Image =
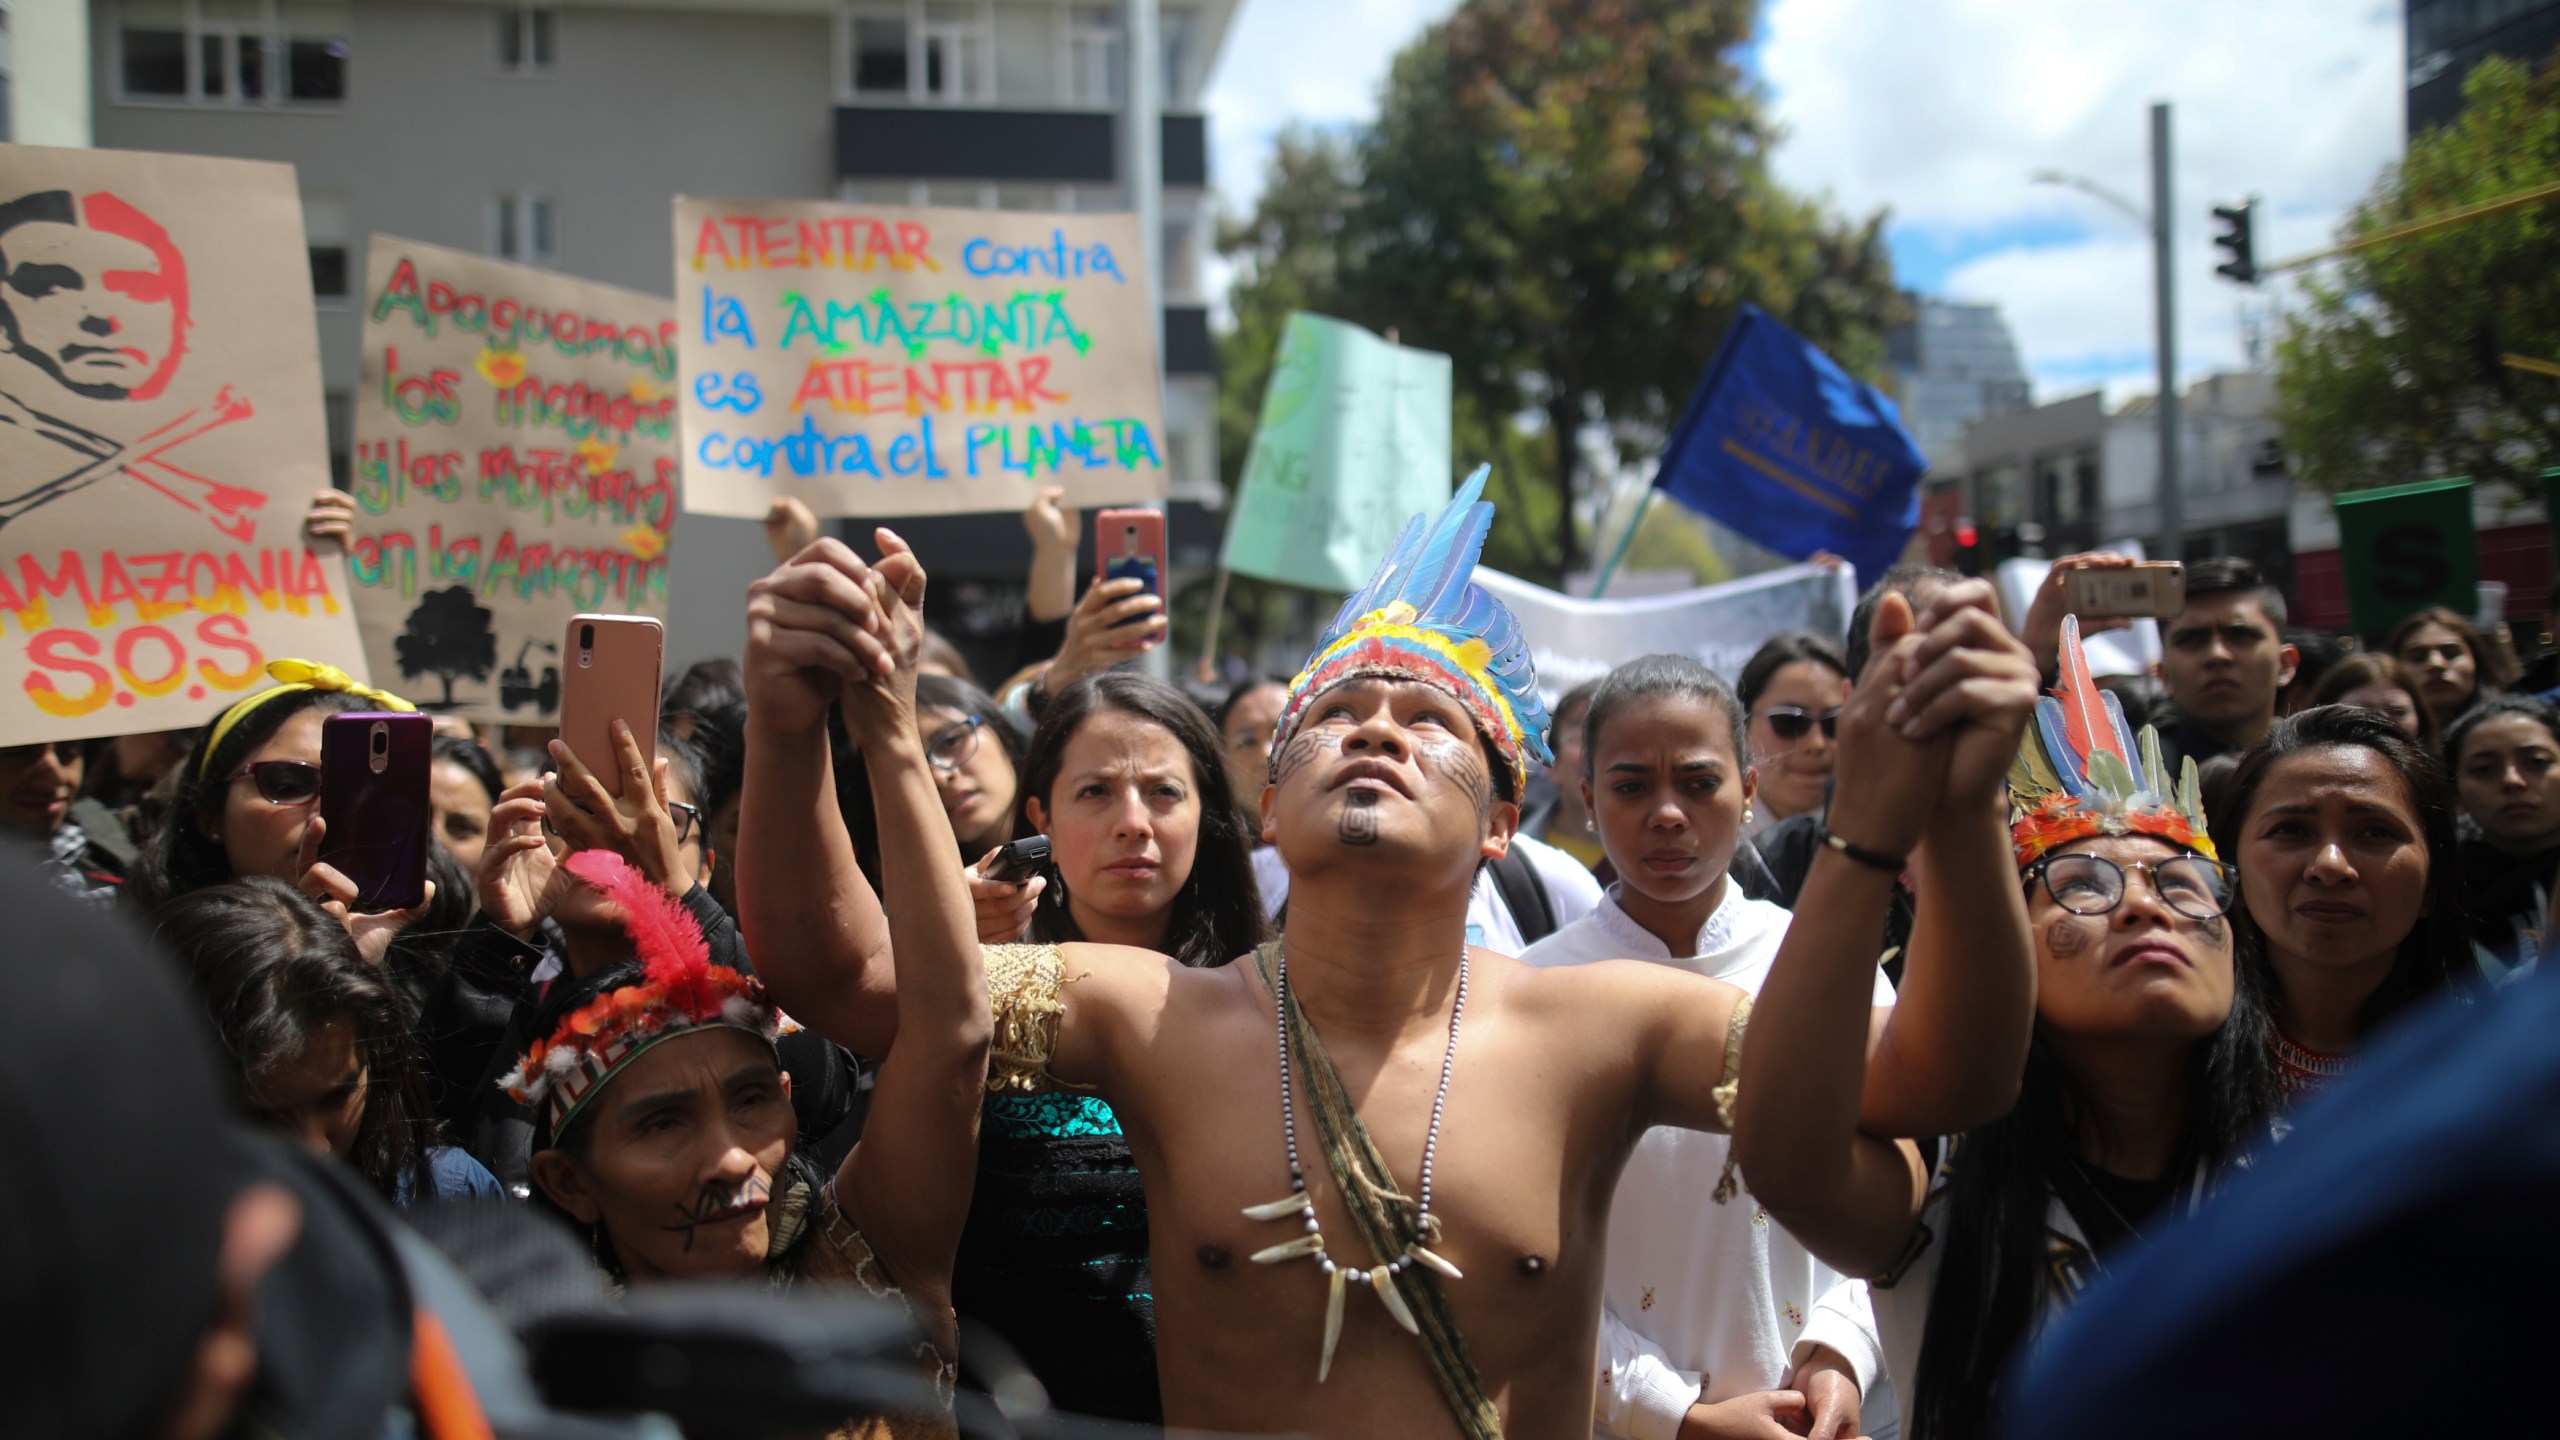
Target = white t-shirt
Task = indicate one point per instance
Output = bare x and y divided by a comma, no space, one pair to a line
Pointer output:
1708,1300
1571,892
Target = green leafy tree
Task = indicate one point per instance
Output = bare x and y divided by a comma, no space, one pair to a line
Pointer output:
2389,371
1572,199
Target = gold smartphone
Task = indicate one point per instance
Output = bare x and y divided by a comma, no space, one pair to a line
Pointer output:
613,664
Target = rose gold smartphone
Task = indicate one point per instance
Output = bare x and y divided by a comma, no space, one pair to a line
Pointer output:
613,664
2156,588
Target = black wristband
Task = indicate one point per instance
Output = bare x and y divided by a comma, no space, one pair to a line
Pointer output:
1872,859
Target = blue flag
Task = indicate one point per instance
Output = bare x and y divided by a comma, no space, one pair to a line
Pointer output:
1783,446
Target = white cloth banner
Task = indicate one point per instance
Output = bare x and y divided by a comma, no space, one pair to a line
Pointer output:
1577,640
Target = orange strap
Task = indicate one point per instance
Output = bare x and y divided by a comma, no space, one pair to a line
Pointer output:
448,1408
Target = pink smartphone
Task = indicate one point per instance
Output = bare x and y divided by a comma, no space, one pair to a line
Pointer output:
373,796
1129,544
613,664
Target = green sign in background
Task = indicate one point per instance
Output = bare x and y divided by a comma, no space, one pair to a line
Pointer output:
1353,441
2406,547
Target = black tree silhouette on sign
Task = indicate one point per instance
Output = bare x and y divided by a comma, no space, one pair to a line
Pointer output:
450,636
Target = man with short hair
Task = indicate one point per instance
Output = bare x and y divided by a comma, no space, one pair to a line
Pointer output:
1378,1161
2223,659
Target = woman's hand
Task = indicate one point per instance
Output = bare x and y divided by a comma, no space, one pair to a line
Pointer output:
332,518
1884,783
1053,528
635,824
519,879
1830,1390
1004,907
1970,678
789,527
880,703
1096,637
372,930
2043,627
812,625
1761,1415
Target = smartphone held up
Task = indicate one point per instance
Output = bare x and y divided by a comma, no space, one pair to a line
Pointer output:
2153,589
1129,545
373,805
614,663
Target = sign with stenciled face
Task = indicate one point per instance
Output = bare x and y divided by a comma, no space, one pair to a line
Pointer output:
515,465
884,361
161,432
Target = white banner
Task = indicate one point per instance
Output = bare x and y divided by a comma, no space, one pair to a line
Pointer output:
1577,640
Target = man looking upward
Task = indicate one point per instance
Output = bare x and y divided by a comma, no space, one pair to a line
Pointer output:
1379,1162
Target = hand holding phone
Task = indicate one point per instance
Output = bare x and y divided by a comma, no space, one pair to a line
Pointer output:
2154,588
1129,545
613,664
1017,862
373,806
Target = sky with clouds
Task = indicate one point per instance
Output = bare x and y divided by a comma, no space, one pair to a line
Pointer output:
1940,110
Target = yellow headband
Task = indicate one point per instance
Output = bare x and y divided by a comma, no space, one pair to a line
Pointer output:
294,675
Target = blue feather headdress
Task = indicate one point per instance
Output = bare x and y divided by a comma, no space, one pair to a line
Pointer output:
1422,617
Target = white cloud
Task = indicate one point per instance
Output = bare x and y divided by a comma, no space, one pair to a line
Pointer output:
1941,112
1303,62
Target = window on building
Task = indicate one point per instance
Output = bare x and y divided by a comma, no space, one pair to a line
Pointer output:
1093,55
1038,198
528,39
327,232
520,228
959,44
880,53
1026,53
233,52
1177,36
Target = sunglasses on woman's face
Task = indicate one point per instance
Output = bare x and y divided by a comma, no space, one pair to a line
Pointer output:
1794,722
282,782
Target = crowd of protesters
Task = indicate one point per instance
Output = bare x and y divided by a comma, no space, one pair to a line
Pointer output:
764,1005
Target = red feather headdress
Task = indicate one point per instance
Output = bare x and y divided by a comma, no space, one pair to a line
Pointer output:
681,991
2081,773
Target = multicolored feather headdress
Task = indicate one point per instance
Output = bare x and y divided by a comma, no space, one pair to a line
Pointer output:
2077,775
1422,618
681,991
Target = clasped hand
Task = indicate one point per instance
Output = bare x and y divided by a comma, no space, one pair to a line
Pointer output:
1934,721
828,626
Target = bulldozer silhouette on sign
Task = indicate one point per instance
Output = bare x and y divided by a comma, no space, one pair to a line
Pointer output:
516,685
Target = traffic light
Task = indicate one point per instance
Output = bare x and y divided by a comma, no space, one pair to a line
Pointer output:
2238,239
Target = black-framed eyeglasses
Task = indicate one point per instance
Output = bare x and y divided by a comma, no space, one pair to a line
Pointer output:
2083,884
952,746
687,817
1794,722
282,782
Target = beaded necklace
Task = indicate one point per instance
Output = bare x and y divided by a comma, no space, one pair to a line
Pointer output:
1379,1279
2300,1069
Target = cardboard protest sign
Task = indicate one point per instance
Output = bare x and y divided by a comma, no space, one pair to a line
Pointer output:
515,464
883,361
2406,547
1573,640
160,435
1354,439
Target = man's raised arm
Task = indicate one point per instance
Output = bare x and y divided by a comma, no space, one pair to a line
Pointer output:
819,938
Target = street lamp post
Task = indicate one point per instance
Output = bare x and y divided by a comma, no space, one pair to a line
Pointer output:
2164,296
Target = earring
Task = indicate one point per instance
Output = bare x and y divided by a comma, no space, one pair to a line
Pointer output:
1746,812
1588,827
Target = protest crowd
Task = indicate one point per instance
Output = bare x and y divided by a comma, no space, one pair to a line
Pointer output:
1898,1017
1852,1019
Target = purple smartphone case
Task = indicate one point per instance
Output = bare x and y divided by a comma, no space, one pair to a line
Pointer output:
375,803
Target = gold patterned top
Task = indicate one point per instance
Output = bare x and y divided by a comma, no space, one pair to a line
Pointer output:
1023,984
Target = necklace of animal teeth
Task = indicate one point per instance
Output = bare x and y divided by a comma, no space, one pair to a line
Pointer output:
1380,1279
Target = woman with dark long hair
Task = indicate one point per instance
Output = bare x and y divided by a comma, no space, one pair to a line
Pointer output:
976,749
2505,754
2146,1074
2451,661
1148,847
2350,903
318,1039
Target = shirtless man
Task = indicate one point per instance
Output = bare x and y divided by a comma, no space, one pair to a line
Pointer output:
1387,794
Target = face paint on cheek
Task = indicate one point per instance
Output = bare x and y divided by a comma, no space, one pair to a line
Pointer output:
1463,765
1360,818
1301,751
2215,930
2065,938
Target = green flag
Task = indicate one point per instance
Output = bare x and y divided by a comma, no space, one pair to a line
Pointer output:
2406,547
1354,441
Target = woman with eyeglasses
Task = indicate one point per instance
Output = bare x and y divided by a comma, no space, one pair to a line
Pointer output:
1245,721
2350,902
248,801
1792,691
975,747
2146,1075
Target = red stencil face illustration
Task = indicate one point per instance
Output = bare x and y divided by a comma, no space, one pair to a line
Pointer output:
98,301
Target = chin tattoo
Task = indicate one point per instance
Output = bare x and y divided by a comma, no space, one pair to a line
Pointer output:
1360,818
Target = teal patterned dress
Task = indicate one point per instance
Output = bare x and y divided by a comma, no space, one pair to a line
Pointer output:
1054,1256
